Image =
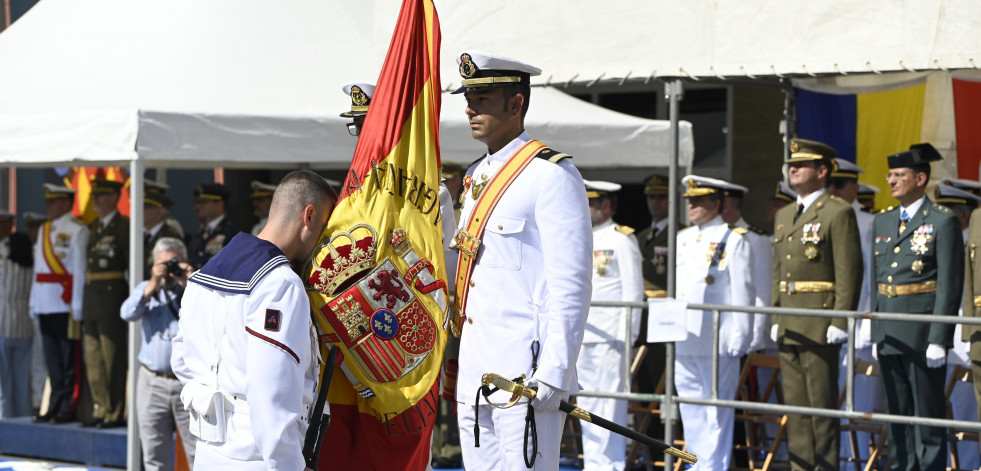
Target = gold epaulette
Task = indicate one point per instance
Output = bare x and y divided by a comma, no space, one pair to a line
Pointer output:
552,155
625,230
757,230
739,230
80,221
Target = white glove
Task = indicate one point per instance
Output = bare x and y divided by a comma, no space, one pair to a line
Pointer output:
875,351
757,343
773,332
547,398
936,356
734,351
836,335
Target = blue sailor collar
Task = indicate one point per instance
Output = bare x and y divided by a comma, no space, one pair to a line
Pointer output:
240,266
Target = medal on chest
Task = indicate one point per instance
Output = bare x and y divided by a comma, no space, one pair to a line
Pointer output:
601,258
63,240
810,238
105,247
477,188
716,256
660,260
215,244
922,236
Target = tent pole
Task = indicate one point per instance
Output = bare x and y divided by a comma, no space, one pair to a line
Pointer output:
136,258
674,92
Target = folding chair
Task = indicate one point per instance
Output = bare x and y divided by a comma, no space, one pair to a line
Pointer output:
754,421
877,444
959,374
643,415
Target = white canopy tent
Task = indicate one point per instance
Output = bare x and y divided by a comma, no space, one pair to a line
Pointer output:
240,84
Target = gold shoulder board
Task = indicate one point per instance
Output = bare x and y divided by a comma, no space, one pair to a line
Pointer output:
625,230
757,230
739,230
552,155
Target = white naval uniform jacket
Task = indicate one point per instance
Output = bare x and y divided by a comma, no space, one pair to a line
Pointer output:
617,276
531,280
762,275
731,283
864,220
248,302
69,239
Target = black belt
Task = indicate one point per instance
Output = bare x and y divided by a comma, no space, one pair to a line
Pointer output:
159,374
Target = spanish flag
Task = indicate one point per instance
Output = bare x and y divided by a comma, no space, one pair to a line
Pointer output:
80,180
377,284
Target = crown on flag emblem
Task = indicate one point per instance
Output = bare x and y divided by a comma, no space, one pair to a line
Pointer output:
344,263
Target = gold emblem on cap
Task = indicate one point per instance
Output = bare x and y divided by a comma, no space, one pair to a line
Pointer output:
794,146
467,67
358,97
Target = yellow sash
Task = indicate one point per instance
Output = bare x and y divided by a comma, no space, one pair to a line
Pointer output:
468,240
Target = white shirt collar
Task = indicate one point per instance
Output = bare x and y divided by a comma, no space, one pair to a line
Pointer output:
603,225
155,229
214,222
911,210
714,222
105,219
660,225
507,151
810,198
742,223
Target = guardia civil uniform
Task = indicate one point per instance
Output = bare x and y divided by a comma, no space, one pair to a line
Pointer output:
57,290
616,277
246,354
529,290
868,393
919,269
817,264
214,235
261,190
105,334
714,266
972,299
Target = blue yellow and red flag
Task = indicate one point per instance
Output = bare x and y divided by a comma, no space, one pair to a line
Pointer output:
377,283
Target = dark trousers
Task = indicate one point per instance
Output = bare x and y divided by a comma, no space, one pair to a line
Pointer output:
910,388
810,379
105,366
59,356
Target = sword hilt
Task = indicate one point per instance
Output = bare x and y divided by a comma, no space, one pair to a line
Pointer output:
505,384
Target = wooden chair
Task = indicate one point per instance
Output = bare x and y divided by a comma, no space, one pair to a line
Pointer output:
959,374
877,446
755,421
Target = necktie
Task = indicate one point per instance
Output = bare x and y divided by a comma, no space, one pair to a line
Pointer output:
800,210
903,219
147,238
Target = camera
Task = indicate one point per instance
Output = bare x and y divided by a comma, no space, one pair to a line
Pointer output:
174,268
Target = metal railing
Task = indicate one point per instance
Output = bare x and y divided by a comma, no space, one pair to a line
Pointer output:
669,401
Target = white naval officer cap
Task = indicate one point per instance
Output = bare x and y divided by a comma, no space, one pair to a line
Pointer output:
261,190
154,186
846,169
598,189
864,189
701,186
948,195
483,71
360,93
52,191
966,185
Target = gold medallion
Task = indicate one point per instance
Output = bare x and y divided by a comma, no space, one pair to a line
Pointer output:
811,252
918,266
709,279
358,96
601,271
794,146
467,67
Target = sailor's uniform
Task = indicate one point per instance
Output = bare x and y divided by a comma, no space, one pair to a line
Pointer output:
246,354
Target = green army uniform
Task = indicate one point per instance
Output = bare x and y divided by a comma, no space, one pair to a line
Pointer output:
817,264
166,230
104,332
918,268
972,299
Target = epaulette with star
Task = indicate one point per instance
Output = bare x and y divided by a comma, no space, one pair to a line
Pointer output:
625,230
552,155
739,230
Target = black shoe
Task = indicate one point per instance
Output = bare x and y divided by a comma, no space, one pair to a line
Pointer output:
42,418
91,423
110,424
63,418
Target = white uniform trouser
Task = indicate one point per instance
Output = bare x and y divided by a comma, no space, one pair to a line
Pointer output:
502,438
207,458
600,368
962,401
708,430
868,398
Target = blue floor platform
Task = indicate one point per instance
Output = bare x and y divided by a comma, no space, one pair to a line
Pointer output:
69,442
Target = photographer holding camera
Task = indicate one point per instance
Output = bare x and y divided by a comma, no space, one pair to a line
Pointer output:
157,302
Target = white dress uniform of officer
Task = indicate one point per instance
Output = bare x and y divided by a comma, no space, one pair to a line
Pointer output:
56,293
868,392
714,266
245,340
617,276
529,290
